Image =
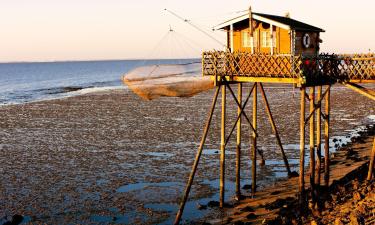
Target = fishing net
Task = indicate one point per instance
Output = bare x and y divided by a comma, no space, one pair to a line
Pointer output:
170,80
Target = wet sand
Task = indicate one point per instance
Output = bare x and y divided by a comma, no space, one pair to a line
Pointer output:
112,157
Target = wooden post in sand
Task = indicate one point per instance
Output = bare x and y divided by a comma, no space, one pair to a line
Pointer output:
371,164
326,136
254,143
196,161
312,146
318,136
274,128
238,146
222,146
302,146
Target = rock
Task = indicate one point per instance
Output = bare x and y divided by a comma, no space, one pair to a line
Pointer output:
362,209
338,221
213,204
201,207
247,209
238,223
327,205
251,216
293,174
357,196
246,187
355,219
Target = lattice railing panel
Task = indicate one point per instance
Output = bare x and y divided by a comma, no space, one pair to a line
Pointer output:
322,68
251,65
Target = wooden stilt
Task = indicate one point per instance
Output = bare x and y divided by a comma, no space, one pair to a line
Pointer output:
254,143
274,128
318,137
196,161
326,136
312,145
222,146
371,165
238,146
302,146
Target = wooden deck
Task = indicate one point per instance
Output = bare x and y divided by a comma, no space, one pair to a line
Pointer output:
300,70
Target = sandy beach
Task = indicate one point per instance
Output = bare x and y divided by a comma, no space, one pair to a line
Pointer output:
110,157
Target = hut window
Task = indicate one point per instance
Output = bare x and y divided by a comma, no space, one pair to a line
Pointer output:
266,39
246,39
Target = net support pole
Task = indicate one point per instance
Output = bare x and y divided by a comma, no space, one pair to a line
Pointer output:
371,165
222,145
254,142
238,146
274,128
197,157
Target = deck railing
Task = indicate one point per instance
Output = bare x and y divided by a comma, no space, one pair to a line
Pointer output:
305,70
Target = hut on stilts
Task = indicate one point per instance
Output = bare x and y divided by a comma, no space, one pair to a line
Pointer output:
266,48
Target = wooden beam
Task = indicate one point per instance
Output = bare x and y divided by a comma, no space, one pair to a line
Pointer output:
312,144
260,79
371,164
302,146
222,145
197,157
254,144
318,137
238,145
361,90
326,136
274,128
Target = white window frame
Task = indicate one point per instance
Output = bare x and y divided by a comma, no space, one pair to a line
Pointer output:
266,39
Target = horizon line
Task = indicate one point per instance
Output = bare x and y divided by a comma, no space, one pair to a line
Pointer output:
92,60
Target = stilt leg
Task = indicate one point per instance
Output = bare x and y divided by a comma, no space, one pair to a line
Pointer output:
371,165
318,138
326,136
274,128
312,146
196,161
254,144
302,147
238,146
222,146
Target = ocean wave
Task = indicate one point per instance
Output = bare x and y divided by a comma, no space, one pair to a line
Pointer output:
58,93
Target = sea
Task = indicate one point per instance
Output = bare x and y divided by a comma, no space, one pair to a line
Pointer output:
36,81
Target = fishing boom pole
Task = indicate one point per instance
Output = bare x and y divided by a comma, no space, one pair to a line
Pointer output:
196,27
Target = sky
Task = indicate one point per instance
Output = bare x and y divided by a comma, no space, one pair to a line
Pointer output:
60,30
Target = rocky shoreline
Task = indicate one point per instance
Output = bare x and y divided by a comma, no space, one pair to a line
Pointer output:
349,199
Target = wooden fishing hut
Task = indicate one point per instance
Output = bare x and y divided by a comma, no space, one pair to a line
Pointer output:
266,48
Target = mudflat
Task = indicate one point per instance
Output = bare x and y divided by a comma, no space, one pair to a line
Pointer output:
112,157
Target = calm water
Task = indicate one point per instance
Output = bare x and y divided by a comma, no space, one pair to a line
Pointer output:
26,82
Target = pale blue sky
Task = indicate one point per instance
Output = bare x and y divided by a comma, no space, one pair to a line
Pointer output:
48,30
